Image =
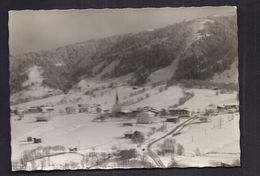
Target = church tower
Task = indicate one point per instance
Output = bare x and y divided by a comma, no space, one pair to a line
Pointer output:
117,107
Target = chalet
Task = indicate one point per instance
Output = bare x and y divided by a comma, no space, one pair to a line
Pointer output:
83,108
37,140
203,119
42,118
215,88
129,134
127,124
179,112
220,108
47,109
174,119
211,109
231,107
168,145
29,139
106,111
70,110
34,109
151,109
75,149
145,117
133,113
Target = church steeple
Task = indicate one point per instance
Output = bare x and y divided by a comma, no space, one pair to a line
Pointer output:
116,97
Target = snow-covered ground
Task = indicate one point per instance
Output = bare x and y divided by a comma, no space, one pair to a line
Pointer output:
208,144
78,130
206,97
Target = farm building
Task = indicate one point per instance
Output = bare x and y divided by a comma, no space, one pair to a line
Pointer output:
145,117
179,112
174,119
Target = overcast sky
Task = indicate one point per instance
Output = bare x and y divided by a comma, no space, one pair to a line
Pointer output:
45,29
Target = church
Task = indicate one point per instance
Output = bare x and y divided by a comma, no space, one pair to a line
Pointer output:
116,109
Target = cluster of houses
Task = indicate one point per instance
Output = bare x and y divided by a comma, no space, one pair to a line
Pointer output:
44,111
83,108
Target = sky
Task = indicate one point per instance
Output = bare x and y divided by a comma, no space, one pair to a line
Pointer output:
36,30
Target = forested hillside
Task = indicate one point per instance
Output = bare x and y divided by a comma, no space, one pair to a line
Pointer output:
199,49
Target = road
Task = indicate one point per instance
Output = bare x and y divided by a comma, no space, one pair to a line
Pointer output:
175,131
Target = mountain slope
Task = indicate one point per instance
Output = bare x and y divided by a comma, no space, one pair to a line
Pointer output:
197,49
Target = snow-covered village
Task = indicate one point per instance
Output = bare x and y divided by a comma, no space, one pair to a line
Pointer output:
163,97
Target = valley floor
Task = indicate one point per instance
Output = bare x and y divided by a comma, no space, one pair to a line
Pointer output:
205,144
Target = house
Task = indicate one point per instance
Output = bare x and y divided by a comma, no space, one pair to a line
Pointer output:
129,134
47,108
231,107
215,88
151,109
211,109
203,119
34,109
70,110
83,108
42,118
179,112
29,139
220,108
75,149
37,140
133,113
174,119
127,124
145,117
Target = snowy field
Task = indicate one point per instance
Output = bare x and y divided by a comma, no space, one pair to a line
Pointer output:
217,140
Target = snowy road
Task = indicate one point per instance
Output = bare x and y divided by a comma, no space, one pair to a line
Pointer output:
175,131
